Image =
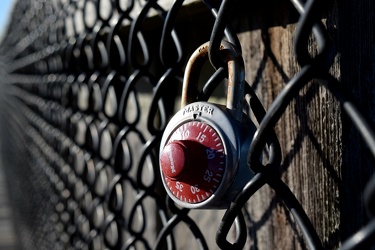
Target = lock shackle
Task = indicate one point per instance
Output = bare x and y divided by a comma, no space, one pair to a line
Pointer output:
236,76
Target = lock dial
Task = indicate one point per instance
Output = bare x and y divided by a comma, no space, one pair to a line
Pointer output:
193,162
201,153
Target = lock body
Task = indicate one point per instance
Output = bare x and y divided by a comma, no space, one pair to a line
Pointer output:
203,156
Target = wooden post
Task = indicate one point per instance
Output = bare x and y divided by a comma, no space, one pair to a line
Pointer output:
325,162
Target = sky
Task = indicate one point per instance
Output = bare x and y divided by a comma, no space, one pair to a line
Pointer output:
5,10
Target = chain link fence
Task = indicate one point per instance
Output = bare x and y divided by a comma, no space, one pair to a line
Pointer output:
87,90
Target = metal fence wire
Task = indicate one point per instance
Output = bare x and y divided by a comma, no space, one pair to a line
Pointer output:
86,94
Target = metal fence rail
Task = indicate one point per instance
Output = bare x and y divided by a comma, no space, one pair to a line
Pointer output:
86,94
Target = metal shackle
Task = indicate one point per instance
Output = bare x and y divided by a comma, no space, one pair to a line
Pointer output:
236,76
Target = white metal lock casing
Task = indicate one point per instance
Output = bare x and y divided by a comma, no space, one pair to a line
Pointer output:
235,137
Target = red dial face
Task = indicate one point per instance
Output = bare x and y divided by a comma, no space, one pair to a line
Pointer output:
193,162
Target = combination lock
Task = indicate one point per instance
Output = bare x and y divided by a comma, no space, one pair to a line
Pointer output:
204,146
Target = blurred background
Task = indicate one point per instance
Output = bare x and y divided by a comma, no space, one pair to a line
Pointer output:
7,237
5,9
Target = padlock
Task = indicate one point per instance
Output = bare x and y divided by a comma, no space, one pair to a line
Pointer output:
204,147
